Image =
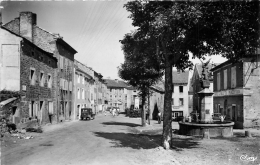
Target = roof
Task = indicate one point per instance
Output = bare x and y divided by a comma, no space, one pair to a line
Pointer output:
116,83
220,65
57,38
46,46
180,77
159,86
3,103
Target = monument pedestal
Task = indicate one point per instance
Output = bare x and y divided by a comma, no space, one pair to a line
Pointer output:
205,105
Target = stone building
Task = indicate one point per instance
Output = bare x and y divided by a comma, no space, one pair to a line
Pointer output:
26,25
98,95
29,69
156,100
237,91
117,93
180,96
83,82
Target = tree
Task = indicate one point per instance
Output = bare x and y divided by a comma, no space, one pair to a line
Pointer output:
140,69
201,28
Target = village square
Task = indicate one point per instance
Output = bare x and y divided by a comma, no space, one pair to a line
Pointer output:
130,82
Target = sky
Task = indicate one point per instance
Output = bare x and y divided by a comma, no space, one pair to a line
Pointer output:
93,28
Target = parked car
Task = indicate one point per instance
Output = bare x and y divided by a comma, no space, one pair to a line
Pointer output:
86,113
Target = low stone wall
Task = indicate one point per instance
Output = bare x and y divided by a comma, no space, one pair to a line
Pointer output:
214,130
28,124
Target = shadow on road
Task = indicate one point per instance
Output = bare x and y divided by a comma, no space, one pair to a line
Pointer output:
178,144
138,141
135,141
121,123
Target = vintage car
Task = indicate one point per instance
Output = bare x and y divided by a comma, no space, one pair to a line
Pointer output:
86,113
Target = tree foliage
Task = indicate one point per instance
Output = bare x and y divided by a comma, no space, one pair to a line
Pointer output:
141,67
177,29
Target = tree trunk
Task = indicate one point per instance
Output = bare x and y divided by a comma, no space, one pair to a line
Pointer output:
149,106
167,115
143,111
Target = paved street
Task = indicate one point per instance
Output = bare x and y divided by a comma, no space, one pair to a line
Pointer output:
121,141
104,140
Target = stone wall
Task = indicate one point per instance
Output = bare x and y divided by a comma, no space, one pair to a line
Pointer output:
41,62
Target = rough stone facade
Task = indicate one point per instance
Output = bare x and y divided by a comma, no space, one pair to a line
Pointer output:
26,26
38,98
239,101
36,69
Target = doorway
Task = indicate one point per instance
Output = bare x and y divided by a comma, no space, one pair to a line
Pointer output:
234,114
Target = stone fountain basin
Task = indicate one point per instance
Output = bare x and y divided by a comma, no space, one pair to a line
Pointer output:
217,129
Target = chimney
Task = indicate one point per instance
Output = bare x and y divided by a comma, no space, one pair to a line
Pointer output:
1,22
27,20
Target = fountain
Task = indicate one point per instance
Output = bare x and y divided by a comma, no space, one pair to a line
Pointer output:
206,126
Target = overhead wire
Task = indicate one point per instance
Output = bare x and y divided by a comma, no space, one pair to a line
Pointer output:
108,21
108,32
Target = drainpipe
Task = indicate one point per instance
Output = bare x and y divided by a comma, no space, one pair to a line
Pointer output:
1,7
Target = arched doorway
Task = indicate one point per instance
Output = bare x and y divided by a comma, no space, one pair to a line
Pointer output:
155,112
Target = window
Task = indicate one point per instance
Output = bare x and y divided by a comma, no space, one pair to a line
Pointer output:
225,79
78,78
42,79
181,103
33,108
233,77
218,81
181,89
49,81
91,96
32,53
40,58
50,107
172,101
83,79
32,76
78,93
83,93
41,105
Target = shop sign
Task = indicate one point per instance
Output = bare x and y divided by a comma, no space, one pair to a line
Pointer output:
175,107
229,92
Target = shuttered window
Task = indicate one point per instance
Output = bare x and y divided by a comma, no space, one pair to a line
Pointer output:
218,81
233,77
225,79
61,62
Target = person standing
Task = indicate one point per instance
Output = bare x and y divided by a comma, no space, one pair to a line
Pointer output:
114,111
159,117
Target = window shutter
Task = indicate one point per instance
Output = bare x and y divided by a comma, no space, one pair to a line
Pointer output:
61,83
30,109
70,86
225,79
61,62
